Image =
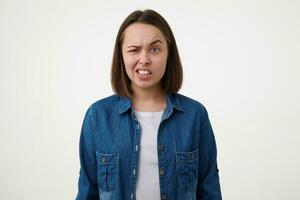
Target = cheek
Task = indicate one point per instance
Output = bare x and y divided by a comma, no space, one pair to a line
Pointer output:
129,65
129,62
162,62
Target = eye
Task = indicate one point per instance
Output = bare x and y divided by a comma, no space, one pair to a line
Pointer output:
132,50
155,50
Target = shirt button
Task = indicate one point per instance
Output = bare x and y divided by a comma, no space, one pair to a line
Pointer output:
161,172
136,147
192,156
164,196
131,196
133,172
103,160
161,147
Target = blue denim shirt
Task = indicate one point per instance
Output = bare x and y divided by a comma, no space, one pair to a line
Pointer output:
109,151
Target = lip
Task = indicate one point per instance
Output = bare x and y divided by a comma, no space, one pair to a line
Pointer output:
144,76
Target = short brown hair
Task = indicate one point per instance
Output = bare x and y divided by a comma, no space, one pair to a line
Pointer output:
172,78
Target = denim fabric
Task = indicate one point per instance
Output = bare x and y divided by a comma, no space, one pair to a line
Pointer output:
109,151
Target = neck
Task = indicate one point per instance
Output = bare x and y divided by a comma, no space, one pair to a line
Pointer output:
150,99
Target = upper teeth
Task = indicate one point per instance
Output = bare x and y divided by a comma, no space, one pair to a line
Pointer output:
143,71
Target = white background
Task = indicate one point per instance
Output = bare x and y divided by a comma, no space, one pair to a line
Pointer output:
240,59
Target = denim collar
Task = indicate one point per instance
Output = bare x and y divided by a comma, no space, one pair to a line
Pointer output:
173,101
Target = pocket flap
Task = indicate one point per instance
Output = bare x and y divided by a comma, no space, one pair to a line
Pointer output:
187,156
107,159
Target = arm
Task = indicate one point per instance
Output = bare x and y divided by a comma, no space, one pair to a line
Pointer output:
87,183
208,187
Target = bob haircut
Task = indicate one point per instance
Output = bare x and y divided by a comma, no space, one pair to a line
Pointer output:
172,78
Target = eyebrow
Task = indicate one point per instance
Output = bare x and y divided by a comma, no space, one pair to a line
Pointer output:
150,43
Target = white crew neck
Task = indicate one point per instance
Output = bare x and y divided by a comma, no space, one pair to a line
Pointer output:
148,113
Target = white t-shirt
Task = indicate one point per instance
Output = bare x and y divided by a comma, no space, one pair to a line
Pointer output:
148,174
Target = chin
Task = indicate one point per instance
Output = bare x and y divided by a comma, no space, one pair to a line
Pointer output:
143,85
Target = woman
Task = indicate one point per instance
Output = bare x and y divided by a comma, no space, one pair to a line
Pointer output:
146,141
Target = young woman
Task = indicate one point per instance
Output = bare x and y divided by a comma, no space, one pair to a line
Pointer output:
146,141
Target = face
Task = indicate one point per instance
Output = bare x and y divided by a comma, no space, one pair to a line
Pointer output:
145,54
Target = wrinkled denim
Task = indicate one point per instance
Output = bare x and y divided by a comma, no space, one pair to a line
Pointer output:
109,151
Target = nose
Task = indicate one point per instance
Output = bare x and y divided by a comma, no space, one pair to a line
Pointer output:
144,58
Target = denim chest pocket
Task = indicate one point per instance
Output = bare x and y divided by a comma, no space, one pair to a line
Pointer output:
107,170
187,167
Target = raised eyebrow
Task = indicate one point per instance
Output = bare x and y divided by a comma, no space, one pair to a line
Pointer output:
155,42
150,44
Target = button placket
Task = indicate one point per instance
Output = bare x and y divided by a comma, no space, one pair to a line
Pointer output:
134,160
133,172
161,147
192,156
161,172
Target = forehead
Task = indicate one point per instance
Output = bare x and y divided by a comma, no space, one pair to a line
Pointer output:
142,33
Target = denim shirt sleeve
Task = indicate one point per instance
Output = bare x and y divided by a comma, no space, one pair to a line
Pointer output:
87,183
208,187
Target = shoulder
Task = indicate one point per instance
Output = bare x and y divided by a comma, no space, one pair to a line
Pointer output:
192,108
189,103
103,109
104,103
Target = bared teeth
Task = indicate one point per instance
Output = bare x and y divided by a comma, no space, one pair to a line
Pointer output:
142,71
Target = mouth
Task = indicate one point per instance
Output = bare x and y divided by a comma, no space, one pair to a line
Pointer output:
143,73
